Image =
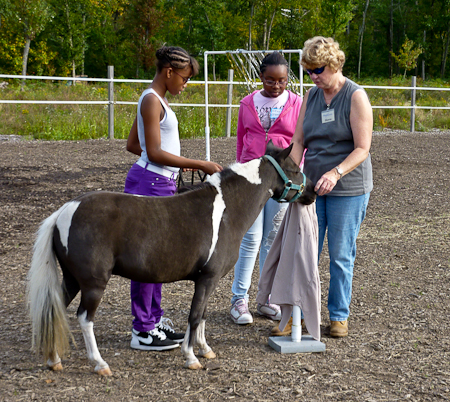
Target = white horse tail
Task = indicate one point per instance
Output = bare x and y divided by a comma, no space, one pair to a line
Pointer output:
50,328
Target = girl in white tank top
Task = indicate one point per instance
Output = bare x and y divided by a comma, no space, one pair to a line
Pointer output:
154,138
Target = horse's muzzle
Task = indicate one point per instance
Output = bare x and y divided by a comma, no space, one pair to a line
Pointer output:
308,195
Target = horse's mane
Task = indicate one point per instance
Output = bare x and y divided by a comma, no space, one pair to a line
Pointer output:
224,173
194,187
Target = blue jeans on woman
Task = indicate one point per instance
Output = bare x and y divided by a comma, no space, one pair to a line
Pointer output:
261,234
342,216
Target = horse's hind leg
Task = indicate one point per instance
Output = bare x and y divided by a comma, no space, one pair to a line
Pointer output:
54,362
89,303
70,286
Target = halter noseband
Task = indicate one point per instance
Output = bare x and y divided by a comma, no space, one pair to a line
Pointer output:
288,185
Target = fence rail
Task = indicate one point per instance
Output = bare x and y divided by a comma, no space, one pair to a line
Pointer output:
111,102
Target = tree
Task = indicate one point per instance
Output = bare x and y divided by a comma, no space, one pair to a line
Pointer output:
11,48
143,20
109,41
337,14
361,36
31,17
201,25
67,31
407,56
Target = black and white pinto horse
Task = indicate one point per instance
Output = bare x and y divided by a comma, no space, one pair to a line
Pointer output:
194,235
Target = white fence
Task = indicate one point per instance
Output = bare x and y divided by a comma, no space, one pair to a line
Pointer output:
111,102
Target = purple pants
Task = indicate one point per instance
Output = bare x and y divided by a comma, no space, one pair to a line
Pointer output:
146,297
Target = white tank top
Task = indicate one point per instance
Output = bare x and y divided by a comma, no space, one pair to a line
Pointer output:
170,138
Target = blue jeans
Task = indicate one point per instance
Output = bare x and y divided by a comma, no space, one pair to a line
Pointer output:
262,233
343,217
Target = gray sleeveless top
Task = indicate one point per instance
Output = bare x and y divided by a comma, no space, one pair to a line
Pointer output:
328,144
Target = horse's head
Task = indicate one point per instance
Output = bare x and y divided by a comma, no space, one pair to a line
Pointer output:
293,185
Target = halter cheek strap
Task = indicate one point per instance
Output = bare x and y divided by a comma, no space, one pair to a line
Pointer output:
288,185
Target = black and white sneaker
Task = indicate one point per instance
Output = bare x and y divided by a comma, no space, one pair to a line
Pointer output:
165,325
151,340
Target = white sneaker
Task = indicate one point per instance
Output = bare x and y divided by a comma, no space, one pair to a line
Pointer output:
240,313
269,310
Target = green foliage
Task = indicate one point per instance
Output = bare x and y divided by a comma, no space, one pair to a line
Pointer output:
408,54
11,48
337,14
83,37
24,20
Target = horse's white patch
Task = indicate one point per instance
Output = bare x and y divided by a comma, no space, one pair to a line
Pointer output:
64,221
188,351
201,339
249,170
87,329
218,208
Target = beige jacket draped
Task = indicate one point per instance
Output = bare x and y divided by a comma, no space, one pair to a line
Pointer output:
290,274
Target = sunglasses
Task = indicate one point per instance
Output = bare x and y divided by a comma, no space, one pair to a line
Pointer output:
316,71
185,79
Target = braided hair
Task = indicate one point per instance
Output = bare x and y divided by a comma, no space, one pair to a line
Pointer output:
273,59
175,57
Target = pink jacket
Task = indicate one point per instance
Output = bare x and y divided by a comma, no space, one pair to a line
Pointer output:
252,138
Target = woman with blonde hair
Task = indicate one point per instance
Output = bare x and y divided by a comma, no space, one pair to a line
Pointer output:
335,128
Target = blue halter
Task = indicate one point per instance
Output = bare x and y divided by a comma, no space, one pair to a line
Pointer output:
288,185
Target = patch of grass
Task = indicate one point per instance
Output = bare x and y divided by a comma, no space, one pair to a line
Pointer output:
75,122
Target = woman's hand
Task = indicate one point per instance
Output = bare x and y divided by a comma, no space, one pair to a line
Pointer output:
327,182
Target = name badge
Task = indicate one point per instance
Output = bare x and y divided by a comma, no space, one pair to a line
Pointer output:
275,112
327,116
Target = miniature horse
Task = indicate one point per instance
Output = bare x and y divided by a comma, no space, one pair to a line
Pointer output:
194,235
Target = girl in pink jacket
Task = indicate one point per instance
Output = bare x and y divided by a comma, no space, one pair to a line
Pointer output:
268,114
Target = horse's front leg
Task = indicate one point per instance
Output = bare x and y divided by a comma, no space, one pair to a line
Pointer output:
200,340
187,348
87,328
195,333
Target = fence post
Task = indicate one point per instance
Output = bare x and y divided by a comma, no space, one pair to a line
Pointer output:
229,101
413,104
111,102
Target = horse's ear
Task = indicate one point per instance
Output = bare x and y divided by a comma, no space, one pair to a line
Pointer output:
285,152
270,147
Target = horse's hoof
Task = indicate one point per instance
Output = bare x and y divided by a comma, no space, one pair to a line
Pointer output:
210,355
105,371
56,367
195,366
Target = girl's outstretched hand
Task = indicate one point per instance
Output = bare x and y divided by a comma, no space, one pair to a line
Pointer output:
211,167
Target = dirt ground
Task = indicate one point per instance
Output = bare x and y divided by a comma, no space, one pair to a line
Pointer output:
399,343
